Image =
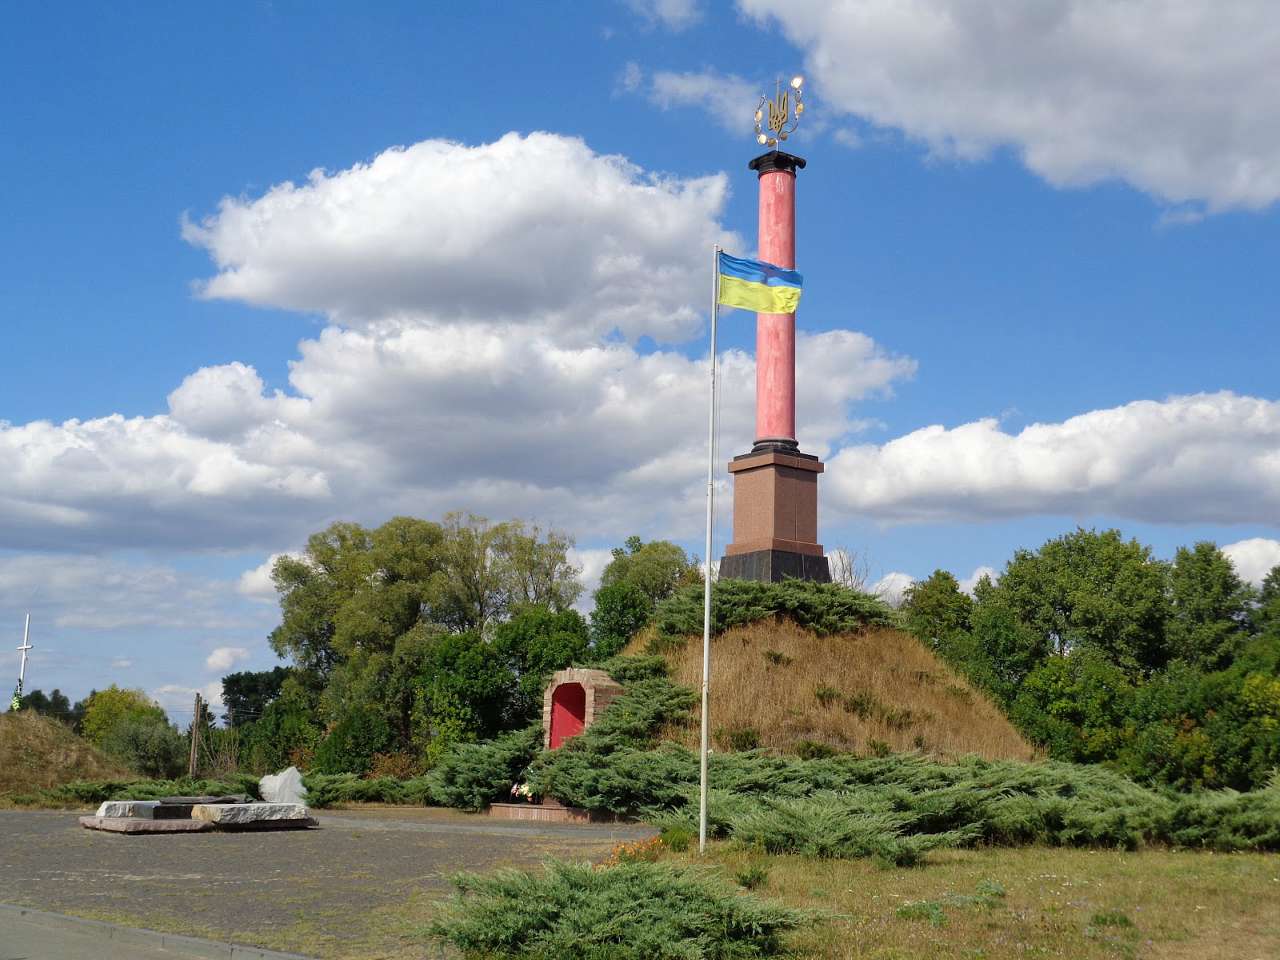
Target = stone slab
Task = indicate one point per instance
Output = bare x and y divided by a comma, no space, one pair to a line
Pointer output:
136,825
141,809
238,814
551,813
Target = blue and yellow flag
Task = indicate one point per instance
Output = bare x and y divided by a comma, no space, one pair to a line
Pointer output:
759,286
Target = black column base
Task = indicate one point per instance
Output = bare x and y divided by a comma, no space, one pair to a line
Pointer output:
774,566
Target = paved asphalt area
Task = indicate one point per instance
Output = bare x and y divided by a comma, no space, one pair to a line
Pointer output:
328,884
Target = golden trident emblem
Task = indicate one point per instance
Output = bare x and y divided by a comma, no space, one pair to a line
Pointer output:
782,121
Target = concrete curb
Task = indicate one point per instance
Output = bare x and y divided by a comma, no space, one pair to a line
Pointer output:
193,946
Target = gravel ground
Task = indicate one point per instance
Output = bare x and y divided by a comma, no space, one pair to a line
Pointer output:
355,886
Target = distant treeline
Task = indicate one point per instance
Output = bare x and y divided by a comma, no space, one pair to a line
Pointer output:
1168,672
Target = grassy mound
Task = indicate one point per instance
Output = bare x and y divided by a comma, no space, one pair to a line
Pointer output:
780,686
37,753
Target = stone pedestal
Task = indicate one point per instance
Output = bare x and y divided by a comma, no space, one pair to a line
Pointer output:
775,517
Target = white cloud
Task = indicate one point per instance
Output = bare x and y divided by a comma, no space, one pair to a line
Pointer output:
729,99
121,663
631,77
891,587
256,583
1177,99
1254,558
223,658
968,583
459,369
1212,458
674,14
103,593
530,231
591,563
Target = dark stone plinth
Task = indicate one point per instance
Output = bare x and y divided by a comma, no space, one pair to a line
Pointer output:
774,566
776,160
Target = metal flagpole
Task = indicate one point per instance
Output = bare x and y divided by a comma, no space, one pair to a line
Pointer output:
706,590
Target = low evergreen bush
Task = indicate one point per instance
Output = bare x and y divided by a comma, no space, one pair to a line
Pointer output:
473,775
631,911
824,608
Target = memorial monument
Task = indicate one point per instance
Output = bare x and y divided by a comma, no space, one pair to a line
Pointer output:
775,485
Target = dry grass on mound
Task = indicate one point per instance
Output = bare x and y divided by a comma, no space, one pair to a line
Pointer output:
37,753
778,685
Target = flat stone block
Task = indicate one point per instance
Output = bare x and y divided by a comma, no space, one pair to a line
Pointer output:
774,566
550,813
141,809
136,825
238,814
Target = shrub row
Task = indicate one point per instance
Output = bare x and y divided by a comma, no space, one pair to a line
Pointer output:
824,608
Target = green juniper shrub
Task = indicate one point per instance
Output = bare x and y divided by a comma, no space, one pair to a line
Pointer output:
676,837
826,695
470,776
813,750
632,911
878,748
778,658
94,792
752,877
825,608
738,738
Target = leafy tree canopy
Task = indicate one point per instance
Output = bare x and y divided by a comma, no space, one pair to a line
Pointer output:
106,709
246,694
1210,606
657,568
1092,589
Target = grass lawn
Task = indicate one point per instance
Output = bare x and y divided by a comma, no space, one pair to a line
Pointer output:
1055,903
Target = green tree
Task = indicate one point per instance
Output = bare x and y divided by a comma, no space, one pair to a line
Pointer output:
936,609
151,746
489,569
55,705
1210,604
1092,589
535,643
106,709
246,694
1266,617
621,611
658,568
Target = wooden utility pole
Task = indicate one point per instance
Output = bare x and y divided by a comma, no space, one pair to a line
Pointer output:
195,720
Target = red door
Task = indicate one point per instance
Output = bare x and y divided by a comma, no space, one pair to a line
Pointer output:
568,712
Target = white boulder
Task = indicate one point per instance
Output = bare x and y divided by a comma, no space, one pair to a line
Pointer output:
283,787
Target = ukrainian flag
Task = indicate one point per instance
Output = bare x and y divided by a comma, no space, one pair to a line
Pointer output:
756,285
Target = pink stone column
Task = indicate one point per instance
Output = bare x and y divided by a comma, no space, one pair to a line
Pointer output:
776,332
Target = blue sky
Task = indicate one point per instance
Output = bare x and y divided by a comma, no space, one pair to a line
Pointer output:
1005,222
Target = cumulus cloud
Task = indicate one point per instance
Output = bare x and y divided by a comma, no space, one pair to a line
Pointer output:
1212,458
223,658
1177,99
534,231
892,586
1254,558
256,583
675,15
727,98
